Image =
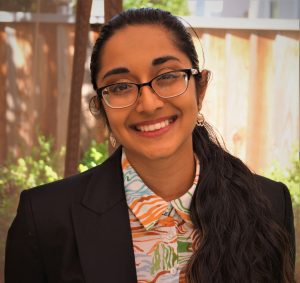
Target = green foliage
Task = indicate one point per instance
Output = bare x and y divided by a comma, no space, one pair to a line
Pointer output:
176,7
289,176
39,167
95,154
32,170
42,165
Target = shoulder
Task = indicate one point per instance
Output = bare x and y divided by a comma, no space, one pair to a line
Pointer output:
47,209
65,190
70,190
279,199
276,192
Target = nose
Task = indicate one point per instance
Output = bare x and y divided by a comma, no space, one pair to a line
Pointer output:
148,100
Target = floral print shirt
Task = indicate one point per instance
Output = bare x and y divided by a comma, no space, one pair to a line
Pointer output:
162,232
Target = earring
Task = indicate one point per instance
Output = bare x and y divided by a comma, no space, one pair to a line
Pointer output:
112,140
200,119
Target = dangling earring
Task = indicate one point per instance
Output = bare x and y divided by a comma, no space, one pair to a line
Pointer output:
112,140
200,119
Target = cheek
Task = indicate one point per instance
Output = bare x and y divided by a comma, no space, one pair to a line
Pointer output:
193,94
189,108
112,119
193,109
110,116
117,119
104,115
193,102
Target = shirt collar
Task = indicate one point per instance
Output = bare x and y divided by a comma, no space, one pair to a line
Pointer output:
146,205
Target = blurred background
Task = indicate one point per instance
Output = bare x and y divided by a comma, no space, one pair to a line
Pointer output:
46,130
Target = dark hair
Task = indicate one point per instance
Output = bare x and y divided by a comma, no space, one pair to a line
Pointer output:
237,239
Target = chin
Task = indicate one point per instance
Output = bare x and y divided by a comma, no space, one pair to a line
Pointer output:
158,150
157,154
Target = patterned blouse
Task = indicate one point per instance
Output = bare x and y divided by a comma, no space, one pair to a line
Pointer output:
162,231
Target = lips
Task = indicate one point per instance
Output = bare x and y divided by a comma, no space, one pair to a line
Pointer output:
155,125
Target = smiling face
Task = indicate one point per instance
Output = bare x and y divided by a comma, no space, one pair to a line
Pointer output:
153,128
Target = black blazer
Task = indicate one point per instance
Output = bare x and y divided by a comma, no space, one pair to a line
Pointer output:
78,230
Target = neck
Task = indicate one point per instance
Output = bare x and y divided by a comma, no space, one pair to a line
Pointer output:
169,177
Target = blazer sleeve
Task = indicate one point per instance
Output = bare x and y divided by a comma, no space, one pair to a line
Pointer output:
22,256
289,220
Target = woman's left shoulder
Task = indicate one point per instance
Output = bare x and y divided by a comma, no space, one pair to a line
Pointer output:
271,188
279,197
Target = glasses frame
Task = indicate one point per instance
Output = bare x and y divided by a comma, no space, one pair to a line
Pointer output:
190,72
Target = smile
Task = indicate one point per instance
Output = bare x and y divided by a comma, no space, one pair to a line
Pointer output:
155,126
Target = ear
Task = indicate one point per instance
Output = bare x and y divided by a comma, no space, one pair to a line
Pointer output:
205,74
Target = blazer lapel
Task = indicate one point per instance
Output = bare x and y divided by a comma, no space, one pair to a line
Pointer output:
102,227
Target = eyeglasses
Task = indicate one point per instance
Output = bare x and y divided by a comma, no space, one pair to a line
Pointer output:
166,85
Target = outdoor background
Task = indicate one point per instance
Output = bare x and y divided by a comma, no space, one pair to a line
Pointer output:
250,46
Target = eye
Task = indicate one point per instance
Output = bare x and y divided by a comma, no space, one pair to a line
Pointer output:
168,79
168,76
120,88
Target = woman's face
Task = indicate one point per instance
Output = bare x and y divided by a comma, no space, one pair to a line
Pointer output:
140,53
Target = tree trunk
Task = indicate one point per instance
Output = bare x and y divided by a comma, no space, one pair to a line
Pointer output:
111,8
81,40
3,106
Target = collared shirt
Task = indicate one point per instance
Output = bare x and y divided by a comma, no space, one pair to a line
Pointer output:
162,232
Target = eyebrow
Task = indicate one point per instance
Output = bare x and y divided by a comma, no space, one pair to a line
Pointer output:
161,60
155,62
116,71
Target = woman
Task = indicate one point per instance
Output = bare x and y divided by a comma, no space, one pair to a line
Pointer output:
170,205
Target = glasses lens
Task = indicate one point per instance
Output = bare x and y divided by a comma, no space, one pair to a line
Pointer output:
170,84
120,95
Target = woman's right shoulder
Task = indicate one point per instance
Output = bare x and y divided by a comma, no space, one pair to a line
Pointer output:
72,188
69,186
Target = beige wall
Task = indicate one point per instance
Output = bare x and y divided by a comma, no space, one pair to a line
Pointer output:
253,97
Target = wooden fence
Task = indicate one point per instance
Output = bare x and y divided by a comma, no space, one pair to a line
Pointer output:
35,85
252,99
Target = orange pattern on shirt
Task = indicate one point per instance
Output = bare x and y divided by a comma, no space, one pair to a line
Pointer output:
162,232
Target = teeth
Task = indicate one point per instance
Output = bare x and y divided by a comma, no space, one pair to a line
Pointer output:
153,127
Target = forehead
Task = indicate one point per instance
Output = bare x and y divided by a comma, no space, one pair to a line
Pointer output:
139,44
146,31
